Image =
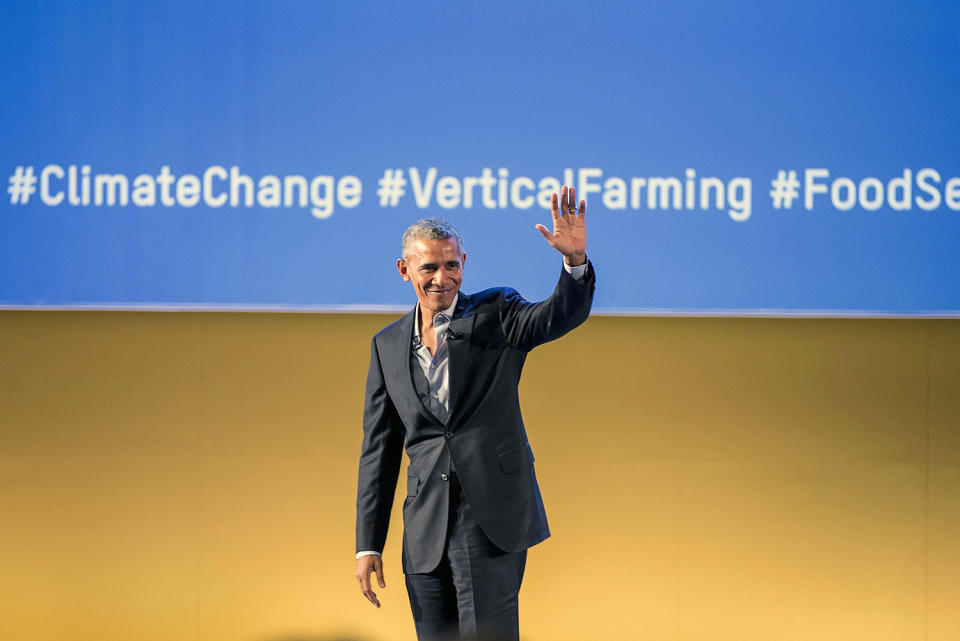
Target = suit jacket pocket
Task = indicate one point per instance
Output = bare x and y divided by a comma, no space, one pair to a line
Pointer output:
413,484
516,459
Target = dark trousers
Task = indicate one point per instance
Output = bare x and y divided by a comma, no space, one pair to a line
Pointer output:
473,593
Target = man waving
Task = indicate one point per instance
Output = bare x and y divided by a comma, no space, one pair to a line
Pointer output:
443,384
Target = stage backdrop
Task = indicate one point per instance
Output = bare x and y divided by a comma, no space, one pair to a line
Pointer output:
737,157
192,477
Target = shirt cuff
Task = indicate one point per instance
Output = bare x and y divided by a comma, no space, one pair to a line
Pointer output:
578,271
367,553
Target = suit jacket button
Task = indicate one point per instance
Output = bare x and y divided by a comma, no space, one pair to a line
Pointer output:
448,434
444,477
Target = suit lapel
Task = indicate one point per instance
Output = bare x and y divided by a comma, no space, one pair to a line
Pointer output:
458,346
402,345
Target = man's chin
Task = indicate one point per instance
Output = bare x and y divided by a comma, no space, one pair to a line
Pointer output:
438,301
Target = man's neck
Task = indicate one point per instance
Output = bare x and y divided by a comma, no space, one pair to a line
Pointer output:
425,316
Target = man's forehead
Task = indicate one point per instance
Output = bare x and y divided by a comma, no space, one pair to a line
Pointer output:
432,249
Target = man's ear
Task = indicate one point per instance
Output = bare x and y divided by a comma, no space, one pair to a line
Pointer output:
402,268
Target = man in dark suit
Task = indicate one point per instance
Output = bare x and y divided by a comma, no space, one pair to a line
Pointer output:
443,383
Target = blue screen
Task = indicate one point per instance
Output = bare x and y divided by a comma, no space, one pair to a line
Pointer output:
736,158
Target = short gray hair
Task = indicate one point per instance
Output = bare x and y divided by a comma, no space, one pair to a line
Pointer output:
429,229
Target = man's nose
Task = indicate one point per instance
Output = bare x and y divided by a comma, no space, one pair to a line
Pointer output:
439,279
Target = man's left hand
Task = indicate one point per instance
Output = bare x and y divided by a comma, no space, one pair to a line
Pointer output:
569,235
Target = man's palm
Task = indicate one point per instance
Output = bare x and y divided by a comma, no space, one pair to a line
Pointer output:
569,235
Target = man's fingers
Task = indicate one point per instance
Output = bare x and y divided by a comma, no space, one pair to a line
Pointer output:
583,208
378,568
554,206
543,230
572,200
366,591
372,597
364,579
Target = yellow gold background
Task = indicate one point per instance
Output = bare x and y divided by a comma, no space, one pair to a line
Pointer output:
191,476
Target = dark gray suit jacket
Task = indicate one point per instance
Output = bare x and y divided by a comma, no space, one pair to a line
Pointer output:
488,340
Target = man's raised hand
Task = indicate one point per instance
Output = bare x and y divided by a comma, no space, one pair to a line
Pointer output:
569,235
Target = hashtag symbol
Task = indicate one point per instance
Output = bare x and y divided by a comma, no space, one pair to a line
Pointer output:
22,184
786,189
391,187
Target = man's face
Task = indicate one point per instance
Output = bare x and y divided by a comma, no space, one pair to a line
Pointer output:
435,268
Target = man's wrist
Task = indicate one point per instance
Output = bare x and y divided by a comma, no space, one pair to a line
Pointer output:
575,260
577,271
367,553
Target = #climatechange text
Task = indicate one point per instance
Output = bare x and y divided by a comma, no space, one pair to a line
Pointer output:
217,186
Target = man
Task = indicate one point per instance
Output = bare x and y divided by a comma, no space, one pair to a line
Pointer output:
443,382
